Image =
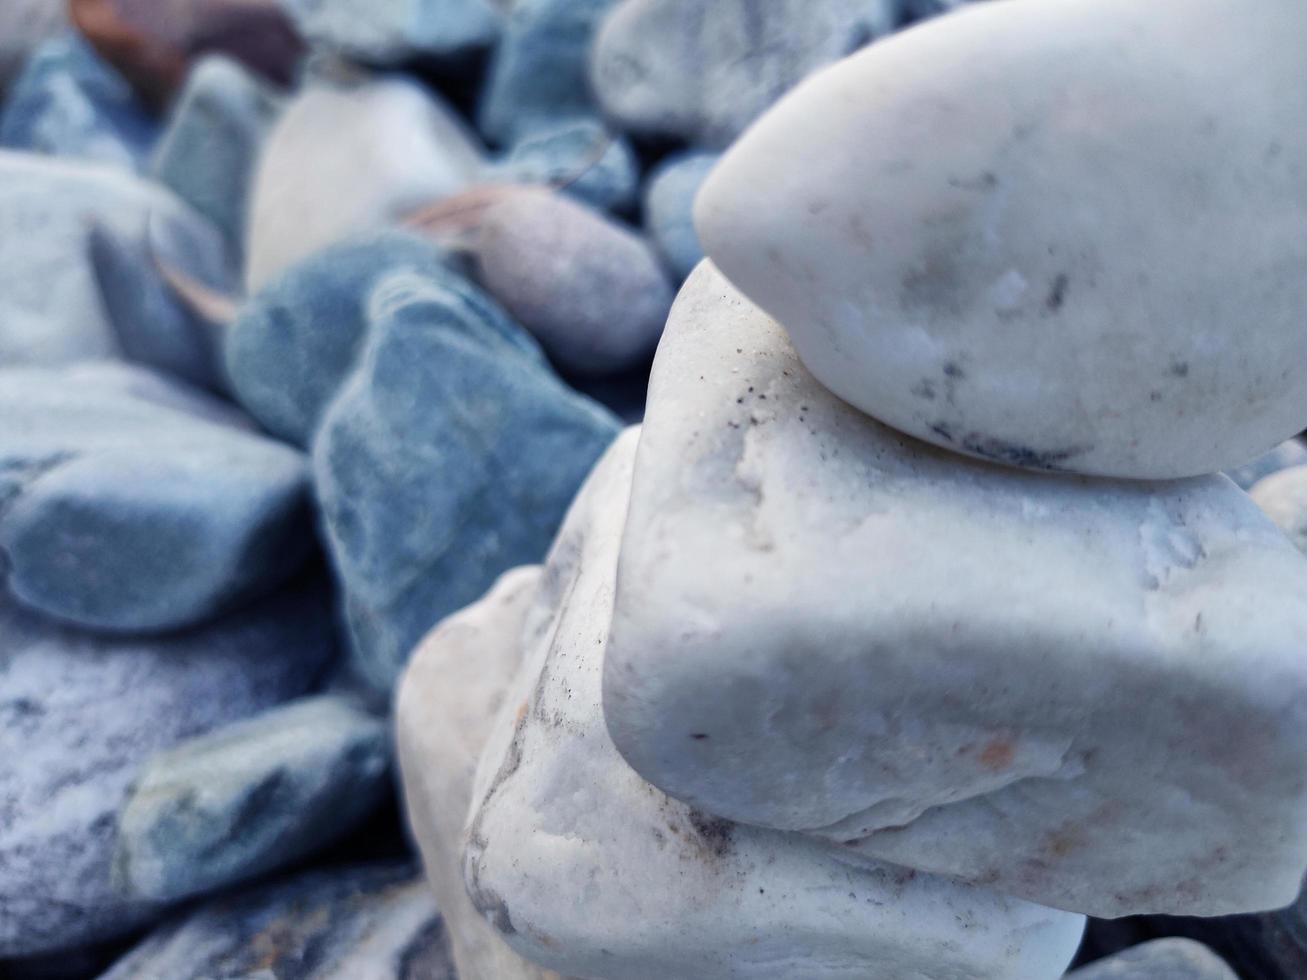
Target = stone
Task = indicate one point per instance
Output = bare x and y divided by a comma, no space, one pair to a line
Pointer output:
958,247
295,342
210,149
702,73
251,797
395,31
582,159
24,24
1163,959
916,10
120,511
345,160
589,289
154,43
444,709
1266,946
80,714
1282,497
1079,692
80,246
586,869
669,208
1292,452
448,456
69,103
539,74
368,922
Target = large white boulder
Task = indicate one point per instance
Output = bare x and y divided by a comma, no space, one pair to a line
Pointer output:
1086,693
1063,236
586,868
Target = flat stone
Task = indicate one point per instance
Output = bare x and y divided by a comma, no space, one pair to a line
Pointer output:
539,74
580,158
24,24
1080,692
702,72
79,280
393,31
69,103
444,710
251,797
1282,497
588,288
122,512
669,208
370,922
959,247
344,160
1292,452
1163,959
155,43
210,149
585,868
80,714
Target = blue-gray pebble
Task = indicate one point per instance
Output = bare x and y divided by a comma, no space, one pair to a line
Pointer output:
669,209
1163,959
582,158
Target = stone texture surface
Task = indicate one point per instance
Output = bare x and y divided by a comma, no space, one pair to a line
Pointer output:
1081,692
669,208
394,31
962,245
24,24
251,797
79,716
581,158
78,280
1164,959
445,706
124,511
69,103
347,159
703,71
589,289
210,149
371,922
1283,498
584,867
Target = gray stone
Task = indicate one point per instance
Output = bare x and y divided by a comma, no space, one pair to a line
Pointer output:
581,158
448,456
921,9
669,208
79,281
350,158
444,710
374,922
80,714
540,71
210,149
68,102
251,797
703,71
589,289
393,31
122,511
584,867
1085,693
1163,959
24,24
1286,454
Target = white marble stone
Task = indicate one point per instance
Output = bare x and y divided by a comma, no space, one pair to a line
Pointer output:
1087,693
448,697
1283,498
349,158
1061,236
586,868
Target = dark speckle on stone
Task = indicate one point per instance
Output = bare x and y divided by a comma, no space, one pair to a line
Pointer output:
954,370
714,833
985,182
925,388
1180,369
699,736
1057,294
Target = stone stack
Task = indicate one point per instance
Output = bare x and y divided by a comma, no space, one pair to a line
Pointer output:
915,624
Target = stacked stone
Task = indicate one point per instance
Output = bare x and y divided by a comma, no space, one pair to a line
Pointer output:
914,624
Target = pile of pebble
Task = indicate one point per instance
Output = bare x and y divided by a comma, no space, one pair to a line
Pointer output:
320,321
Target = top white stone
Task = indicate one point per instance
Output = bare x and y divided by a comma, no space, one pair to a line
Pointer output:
1063,236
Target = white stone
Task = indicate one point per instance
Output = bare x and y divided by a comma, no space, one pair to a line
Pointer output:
588,869
1087,693
1056,235
448,697
347,159
1283,498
